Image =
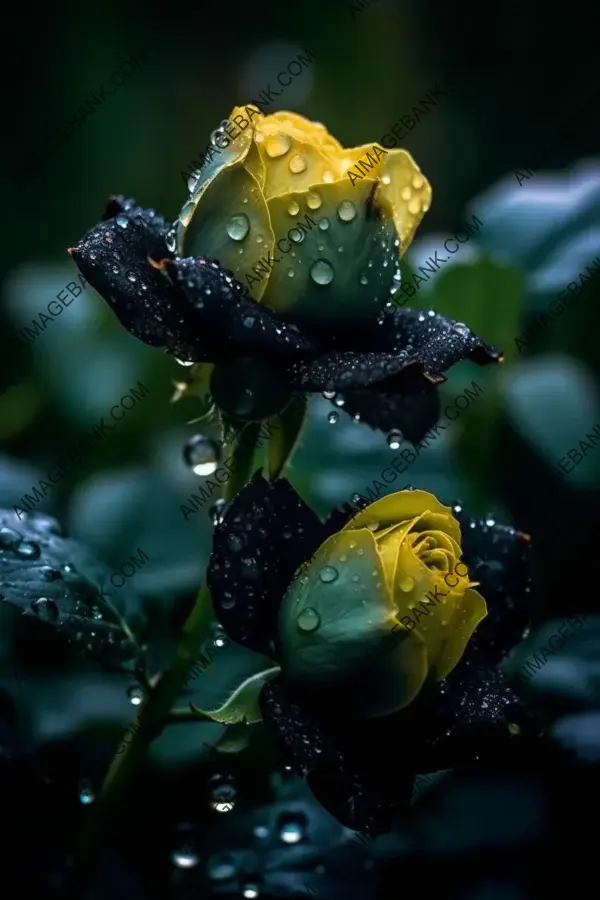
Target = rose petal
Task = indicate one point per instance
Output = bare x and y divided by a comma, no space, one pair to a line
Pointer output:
398,507
267,532
407,192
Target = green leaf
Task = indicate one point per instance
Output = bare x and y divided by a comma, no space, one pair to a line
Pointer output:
487,296
242,706
285,430
242,447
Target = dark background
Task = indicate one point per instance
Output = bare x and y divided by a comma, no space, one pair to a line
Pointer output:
521,72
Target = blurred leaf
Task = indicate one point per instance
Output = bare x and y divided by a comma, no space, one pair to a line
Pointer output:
242,706
284,433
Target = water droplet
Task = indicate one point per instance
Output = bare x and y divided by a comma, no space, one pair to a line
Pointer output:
93,254
372,524
236,542
406,193
290,273
222,793
260,831
313,200
251,890
45,609
50,574
217,511
131,277
329,395
297,163
202,454
414,206
340,400
296,235
385,179
9,538
248,321
347,210
294,208
277,145
457,508
115,270
328,176
406,583
431,313
364,279
122,222
328,574
332,418
291,827
184,362
135,693
322,272
86,792
171,240
238,227
462,329
309,619
185,857
418,182
185,216
490,522
28,549
394,439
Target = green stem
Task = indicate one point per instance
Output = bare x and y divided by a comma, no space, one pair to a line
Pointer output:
150,720
244,445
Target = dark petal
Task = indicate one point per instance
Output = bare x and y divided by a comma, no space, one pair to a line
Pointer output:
412,414
436,342
358,775
267,533
472,716
346,369
116,251
221,306
500,559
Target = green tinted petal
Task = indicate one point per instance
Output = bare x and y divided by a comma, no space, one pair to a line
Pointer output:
344,270
467,613
231,224
242,706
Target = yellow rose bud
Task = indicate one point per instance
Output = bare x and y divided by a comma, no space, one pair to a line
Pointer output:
385,605
311,228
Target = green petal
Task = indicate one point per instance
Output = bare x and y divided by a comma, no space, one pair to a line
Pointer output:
242,706
352,648
361,248
232,202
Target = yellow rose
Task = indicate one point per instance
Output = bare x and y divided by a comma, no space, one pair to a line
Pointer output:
281,204
385,606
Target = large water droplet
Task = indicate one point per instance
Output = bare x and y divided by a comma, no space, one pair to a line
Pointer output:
86,792
185,857
135,693
277,145
322,272
346,210
28,549
406,583
333,417
202,454
238,227
9,538
297,163
313,200
296,235
394,439
309,619
294,208
291,827
45,609
328,574
222,793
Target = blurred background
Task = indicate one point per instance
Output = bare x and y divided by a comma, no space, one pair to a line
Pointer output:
519,89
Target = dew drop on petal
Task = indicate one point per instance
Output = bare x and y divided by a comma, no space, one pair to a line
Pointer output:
185,857
462,329
418,182
394,439
251,890
294,208
414,206
297,163
9,538
309,619
322,272
364,279
238,227
328,574
333,417
329,395
406,193
277,145
290,273
217,511
291,827
347,210
296,235
340,400
385,179
202,454
121,221
45,609
406,584
313,200
131,277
